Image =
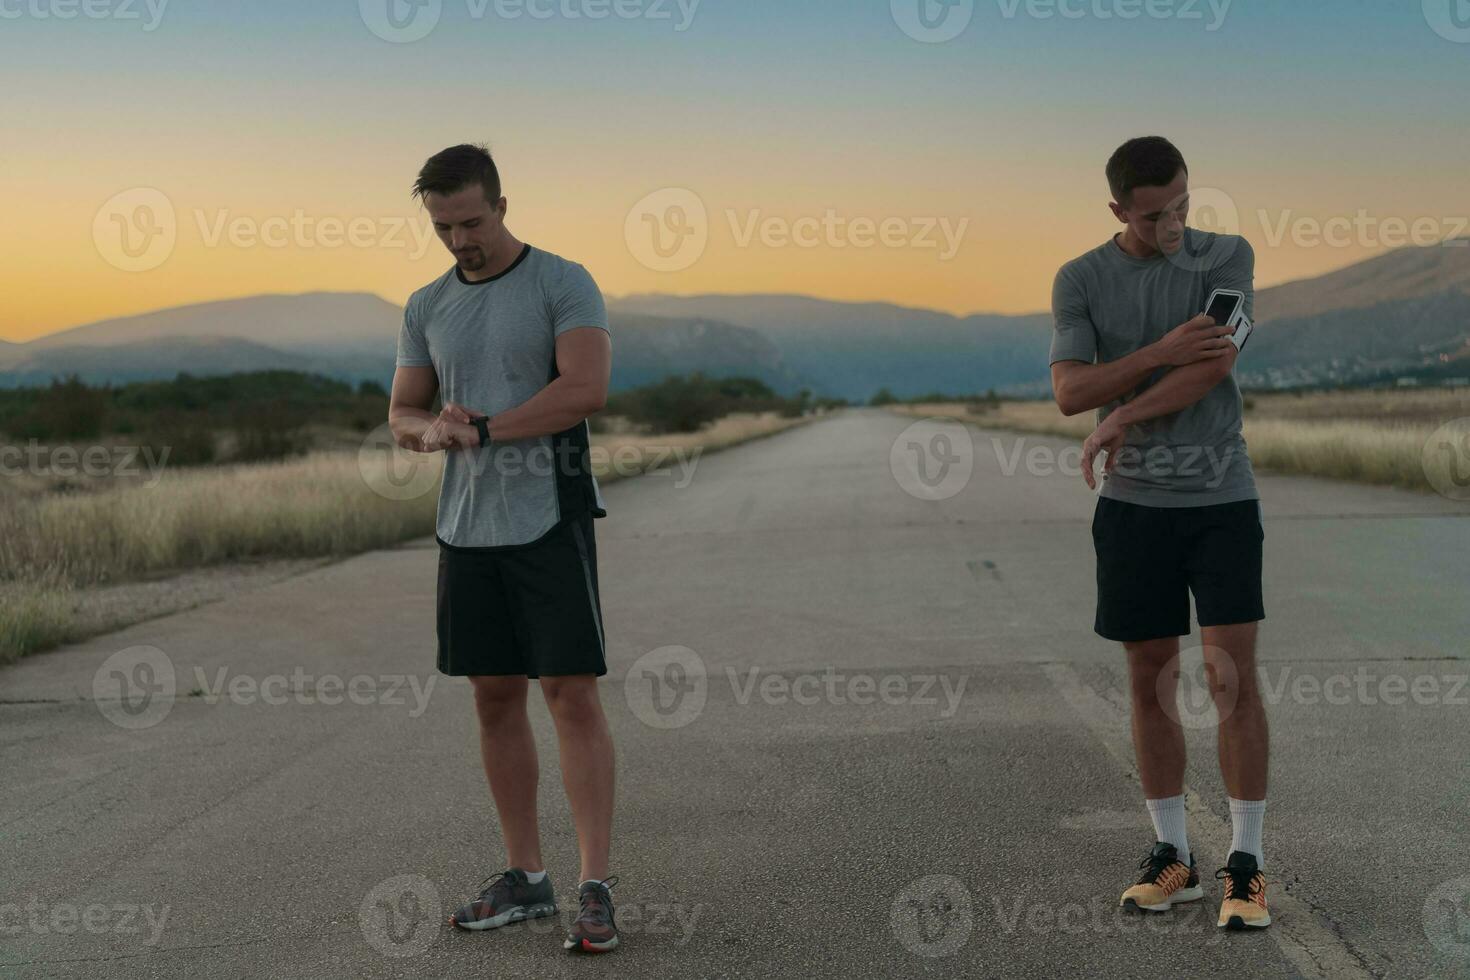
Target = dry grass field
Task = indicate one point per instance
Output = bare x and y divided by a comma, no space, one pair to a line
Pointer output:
61,538
1371,436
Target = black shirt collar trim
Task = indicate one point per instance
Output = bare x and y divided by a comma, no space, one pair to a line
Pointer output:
459,273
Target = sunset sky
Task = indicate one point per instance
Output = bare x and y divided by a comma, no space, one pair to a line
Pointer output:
258,116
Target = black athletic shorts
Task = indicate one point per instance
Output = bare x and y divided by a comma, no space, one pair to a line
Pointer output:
1149,559
529,610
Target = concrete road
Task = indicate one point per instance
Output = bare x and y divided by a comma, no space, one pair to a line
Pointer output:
864,729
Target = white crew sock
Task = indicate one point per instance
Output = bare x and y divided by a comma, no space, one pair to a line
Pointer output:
536,877
1168,817
1246,818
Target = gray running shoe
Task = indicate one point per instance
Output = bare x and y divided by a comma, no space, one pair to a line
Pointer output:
594,931
505,898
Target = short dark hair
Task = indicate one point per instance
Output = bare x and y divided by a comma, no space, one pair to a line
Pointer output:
1146,161
452,170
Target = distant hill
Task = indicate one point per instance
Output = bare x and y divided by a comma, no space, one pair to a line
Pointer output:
349,336
322,321
650,348
1404,311
165,357
1403,274
852,349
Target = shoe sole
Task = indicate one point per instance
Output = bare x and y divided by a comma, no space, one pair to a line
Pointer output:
510,916
1237,924
588,946
1182,895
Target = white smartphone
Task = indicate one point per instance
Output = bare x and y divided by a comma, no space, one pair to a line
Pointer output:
1227,308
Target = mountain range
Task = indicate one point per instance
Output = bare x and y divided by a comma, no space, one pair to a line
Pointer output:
1404,311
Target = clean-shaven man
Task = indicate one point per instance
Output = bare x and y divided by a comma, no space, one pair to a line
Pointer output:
1178,512
515,340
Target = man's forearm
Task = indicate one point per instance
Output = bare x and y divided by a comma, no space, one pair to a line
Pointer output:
555,408
1092,386
1175,391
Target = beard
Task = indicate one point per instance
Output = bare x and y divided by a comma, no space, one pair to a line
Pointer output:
472,261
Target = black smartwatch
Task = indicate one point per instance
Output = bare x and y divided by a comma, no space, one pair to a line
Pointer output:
482,424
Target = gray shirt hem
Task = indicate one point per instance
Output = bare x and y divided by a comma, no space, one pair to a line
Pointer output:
1195,498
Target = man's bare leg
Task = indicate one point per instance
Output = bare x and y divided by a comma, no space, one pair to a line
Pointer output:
1158,740
1158,745
1230,663
508,749
586,765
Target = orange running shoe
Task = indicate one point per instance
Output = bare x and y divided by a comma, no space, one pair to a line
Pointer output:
1245,893
1165,881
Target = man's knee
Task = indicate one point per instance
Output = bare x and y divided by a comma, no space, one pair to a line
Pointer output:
1230,666
1153,672
498,697
573,699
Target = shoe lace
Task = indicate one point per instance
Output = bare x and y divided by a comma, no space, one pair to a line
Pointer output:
497,884
1153,865
1240,883
592,905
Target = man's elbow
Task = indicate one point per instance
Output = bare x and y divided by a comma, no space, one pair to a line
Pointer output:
1069,408
1221,367
594,400
1066,402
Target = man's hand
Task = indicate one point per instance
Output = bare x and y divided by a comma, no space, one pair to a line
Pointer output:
447,434
452,429
1197,340
455,412
1107,438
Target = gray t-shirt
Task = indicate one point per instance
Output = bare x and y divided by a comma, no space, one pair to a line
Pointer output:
492,344
1107,304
